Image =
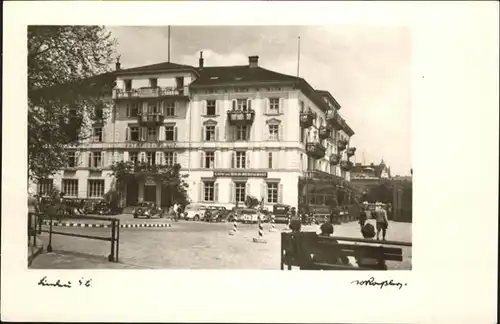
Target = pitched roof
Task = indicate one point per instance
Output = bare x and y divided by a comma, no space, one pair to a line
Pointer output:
329,96
164,66
217,75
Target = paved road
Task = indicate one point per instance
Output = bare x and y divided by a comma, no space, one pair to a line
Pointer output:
189,245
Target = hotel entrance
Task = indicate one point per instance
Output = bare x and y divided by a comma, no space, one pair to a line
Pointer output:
150,190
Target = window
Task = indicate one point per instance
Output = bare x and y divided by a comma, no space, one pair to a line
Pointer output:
301,161
302,135
169,158
241,133
132,109
152,134
134,134
71,156
96,188
134,156
169,133
150,156
95,159
209,160
45,186
209,194
169,108
273,132
210,133
241,104
272,193
302,106
70,187
240,192
153,83
97,134
270,160
274,105
128,85
211,111
152,108
240,160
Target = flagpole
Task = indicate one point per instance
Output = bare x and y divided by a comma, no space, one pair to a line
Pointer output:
168,44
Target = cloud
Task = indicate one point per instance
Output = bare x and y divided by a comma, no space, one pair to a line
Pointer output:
366,68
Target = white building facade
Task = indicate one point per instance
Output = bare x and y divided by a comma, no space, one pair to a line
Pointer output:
235,131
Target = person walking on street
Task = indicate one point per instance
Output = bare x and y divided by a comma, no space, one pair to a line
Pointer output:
362,215
382,222
176,213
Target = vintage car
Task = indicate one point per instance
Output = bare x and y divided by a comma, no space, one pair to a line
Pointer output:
250,216
194,212
280,213
104,208
216,214
147,209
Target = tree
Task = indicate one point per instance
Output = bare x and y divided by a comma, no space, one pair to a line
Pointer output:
67,81
251,201
168,176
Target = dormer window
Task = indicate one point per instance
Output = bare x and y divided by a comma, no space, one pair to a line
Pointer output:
153,82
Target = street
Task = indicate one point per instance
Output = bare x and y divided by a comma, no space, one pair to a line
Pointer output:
188,245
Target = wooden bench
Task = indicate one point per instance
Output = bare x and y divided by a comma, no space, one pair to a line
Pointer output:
310,251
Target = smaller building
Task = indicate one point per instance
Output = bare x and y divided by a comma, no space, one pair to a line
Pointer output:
368,176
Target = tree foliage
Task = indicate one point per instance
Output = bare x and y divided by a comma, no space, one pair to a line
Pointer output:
67,81
168,176
251,201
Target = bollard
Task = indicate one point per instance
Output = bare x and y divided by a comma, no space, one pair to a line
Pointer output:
272,229
260,238
235,228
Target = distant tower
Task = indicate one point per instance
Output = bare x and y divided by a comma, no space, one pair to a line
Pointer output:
363,158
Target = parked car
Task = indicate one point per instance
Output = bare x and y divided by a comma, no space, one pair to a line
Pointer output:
147,209
280,213
234,214
216,214
248,215
194,212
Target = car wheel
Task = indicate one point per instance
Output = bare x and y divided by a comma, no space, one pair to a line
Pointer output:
196,218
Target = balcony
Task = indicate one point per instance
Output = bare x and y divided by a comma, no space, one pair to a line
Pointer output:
342,145
346,165
150,93
150,119
351,151
320,175
307,119
324,132
315,150
241,117
334,159
334,119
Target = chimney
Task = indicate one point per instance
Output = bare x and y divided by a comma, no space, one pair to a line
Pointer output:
117,64
253,61
201,59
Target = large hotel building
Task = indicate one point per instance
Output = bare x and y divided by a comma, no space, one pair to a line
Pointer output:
235,131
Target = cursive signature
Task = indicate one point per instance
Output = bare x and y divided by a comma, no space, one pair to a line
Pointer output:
45,283
382,284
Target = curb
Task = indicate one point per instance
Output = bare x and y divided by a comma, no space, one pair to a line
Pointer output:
60,224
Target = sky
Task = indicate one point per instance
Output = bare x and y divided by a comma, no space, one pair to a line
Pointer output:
365,67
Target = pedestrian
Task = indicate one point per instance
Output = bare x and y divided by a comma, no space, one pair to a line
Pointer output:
363,217
382,222
176,207
295,226
368,232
